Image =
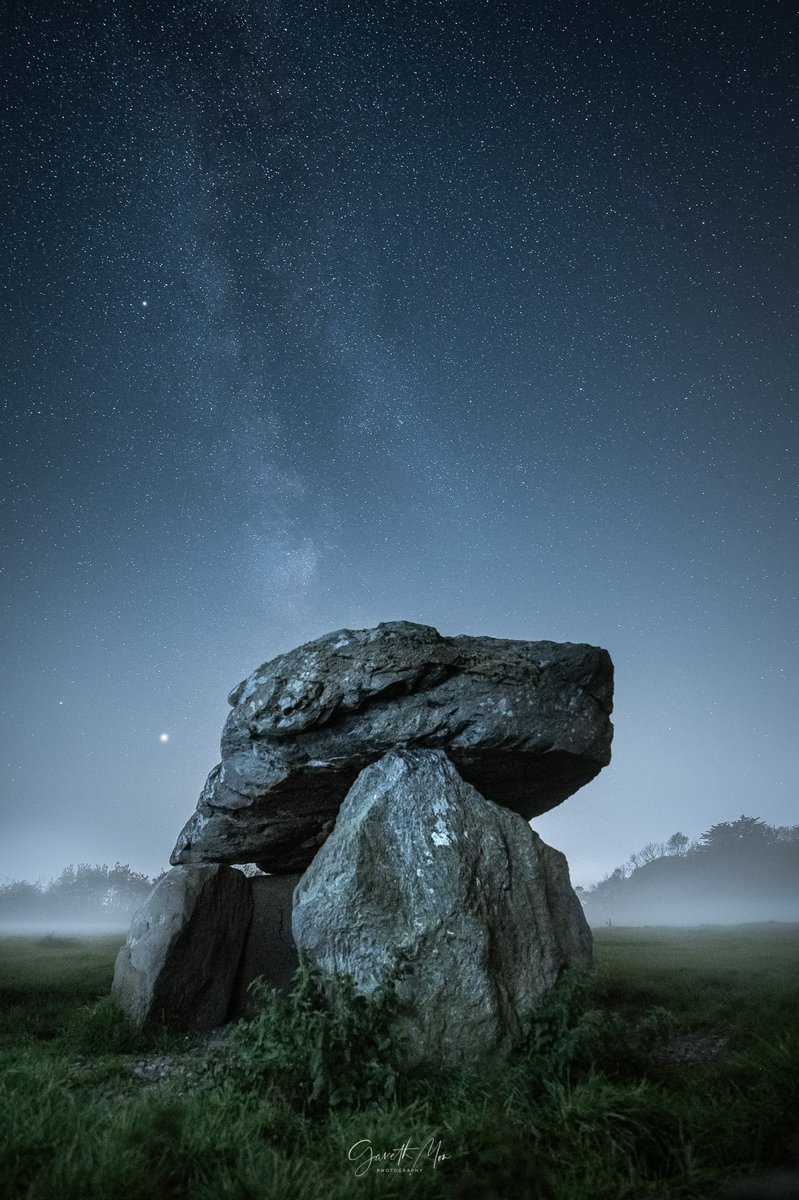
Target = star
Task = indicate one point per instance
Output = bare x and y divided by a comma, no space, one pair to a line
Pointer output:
407,356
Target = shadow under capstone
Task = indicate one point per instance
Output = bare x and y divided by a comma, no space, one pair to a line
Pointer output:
269,950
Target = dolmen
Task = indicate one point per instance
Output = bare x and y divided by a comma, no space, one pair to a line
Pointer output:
382,781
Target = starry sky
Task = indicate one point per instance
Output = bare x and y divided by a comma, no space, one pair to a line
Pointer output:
468,312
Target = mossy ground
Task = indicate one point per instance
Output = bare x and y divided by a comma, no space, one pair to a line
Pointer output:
593,1107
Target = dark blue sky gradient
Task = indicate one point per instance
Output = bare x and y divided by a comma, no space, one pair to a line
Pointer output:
321,314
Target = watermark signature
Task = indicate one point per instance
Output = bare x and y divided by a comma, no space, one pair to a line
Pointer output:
404,1159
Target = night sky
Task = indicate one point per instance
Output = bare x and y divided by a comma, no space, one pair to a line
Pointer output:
319,314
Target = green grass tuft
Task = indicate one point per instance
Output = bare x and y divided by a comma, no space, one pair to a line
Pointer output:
320,1050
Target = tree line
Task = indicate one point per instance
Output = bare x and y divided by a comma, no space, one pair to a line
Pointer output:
736,871
82,894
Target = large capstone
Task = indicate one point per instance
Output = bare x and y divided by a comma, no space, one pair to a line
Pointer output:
179,962
425,882
527,723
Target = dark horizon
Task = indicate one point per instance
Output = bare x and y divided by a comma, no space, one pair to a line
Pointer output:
739,872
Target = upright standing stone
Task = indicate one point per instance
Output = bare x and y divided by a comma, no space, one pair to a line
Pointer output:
180,958
426,881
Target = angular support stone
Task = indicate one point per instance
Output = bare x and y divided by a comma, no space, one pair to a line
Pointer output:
179,961
425,882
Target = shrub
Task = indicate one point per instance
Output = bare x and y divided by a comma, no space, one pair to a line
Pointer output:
320,1047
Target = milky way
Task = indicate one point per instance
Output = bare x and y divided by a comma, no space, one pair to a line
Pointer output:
320,314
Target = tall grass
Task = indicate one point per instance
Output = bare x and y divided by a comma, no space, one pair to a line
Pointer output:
310,1098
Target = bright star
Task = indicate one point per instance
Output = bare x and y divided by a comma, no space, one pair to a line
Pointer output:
144,303
164,737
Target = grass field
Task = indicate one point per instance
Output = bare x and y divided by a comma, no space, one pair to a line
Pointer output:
675,1069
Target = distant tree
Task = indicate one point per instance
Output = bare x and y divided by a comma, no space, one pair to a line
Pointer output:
786,833
678,844
617,876
20,900
745,834
650,852
125,889
79,893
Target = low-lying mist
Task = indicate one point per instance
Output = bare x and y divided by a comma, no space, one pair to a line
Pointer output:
739,872
77,928
82,900
676,913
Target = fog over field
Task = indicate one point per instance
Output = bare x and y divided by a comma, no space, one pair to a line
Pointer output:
738,872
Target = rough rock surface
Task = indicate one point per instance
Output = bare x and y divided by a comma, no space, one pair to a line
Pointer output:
425,879
179,961
269,950
527,723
